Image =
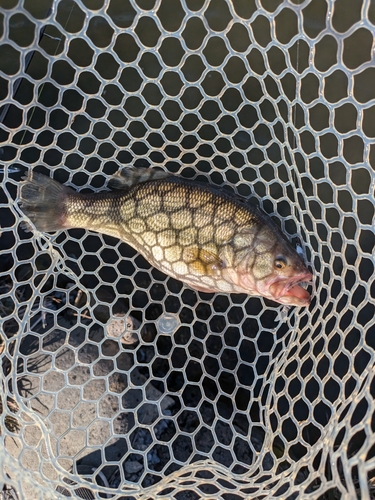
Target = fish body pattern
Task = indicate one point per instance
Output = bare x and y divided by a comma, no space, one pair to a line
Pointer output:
209,239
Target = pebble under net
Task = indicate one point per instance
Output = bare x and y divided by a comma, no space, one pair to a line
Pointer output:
119,382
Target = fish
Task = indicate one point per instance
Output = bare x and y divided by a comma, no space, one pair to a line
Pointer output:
198,233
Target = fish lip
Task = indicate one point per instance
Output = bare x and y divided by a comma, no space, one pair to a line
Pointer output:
278,291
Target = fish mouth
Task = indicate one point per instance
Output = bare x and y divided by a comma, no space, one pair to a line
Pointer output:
289,291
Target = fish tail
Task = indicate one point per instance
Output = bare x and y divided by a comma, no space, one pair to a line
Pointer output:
43,201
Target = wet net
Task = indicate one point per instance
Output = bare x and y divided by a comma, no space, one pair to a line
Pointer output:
119,382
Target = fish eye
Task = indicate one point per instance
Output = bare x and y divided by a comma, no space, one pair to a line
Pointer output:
280,262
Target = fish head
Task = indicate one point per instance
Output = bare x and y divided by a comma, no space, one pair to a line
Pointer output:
266,264
283,285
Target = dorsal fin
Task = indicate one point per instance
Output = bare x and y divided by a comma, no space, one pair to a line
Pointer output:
129,176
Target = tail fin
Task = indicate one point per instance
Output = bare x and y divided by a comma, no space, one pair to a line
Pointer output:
43,202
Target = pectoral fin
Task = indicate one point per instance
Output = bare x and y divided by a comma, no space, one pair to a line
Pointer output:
203,261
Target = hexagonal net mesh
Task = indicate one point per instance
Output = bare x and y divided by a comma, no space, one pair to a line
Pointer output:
120,382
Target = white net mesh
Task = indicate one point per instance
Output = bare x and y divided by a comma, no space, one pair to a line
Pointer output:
119,382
